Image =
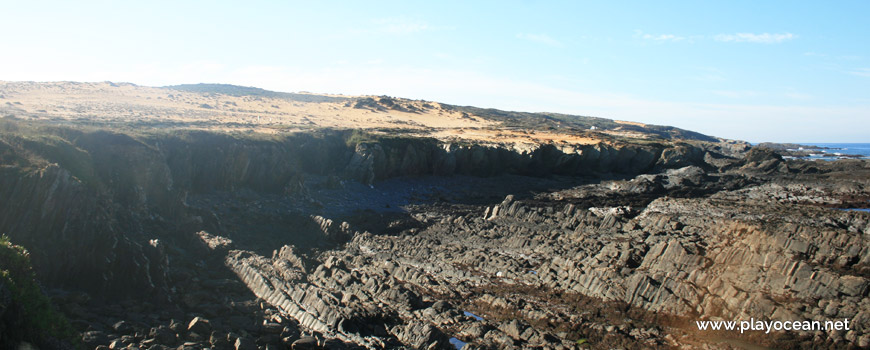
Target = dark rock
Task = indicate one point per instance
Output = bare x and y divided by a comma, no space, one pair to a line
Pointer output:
441,306
199,325
117,344
305,343
212,243
514,329
122,327
272,328
177,326
163,335
243,343
94,338
243,323
334,344
269,339
219,341
191,345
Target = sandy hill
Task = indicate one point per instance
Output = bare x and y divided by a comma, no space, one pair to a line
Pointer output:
245,109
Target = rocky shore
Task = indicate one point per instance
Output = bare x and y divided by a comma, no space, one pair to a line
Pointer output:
315,240
791,150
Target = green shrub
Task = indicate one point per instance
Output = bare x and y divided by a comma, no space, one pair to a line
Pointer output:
357,137
33,318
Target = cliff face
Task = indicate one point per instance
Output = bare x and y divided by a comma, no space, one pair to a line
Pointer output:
372,162
94,205
378,161
91,204
76,234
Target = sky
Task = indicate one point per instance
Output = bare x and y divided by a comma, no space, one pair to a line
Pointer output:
781,71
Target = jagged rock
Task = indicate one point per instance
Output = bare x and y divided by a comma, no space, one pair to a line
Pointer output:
680,156
331,230
718,161
199,326
363,166
420,335
762,160
686,176
289,254
440,306
214,243
514,329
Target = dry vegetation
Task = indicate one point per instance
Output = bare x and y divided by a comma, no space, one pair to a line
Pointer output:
250,110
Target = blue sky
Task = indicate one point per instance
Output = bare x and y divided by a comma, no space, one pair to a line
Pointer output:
786,71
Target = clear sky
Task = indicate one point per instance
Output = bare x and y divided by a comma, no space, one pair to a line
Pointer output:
787,71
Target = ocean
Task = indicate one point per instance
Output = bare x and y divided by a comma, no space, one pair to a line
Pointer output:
862,149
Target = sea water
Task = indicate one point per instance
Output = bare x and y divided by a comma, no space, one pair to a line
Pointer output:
458,344
862,149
